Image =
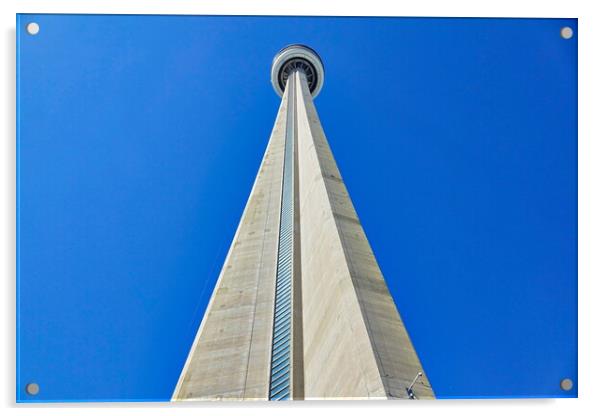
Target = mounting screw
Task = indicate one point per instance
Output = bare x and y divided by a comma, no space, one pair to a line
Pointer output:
566,384
33,28
32,389
566,32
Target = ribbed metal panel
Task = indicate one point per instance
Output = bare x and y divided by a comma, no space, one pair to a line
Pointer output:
280,375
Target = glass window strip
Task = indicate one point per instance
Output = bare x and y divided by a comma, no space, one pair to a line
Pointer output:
283,283
278,386
282,376
280,373
279,389
282,365
282,346
281,338
281,329
281,341
279,354
280,357
279,335
281,395
283,322
283,304
285,293
283,309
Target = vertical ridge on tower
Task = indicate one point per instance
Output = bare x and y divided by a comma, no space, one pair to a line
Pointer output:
282,333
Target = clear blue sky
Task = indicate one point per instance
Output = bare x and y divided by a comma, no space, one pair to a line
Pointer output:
140,137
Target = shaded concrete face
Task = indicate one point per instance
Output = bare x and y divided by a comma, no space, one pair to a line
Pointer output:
348,338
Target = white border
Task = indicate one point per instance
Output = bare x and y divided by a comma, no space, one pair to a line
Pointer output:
590,198
472,8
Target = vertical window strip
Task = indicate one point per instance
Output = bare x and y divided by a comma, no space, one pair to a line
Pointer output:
279,384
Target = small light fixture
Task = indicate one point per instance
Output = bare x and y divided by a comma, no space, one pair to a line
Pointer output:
409,389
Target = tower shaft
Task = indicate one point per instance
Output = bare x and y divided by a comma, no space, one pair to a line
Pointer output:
300,309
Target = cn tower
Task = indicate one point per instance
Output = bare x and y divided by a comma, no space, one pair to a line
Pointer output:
301,309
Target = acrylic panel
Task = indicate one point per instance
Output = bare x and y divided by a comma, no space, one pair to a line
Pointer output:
438,154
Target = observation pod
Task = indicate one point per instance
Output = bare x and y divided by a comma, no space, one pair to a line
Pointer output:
297,57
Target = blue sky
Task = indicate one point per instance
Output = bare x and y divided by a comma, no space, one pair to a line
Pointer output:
140,137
